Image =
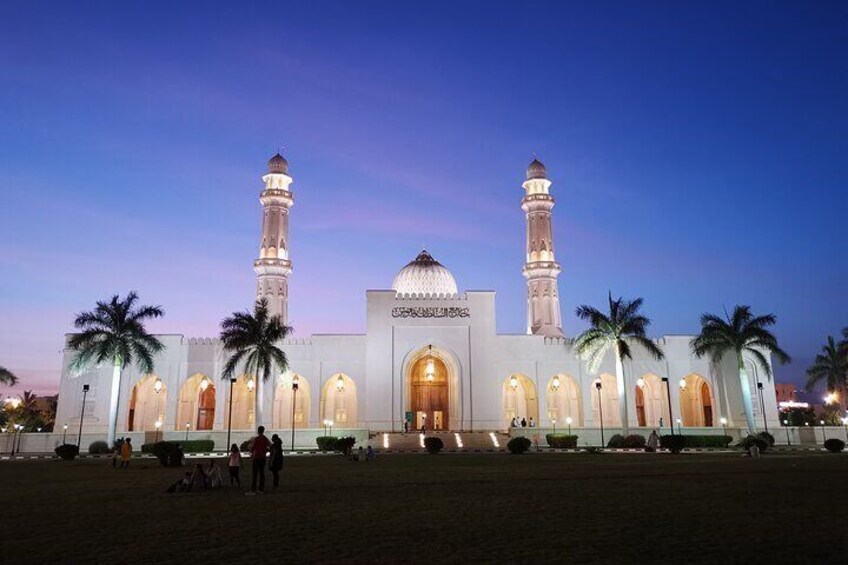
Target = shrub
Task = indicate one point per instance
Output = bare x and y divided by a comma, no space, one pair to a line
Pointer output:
700,440
345,444
561,440
634,441
99,447
67,451
674,443
750,440
768,437
434,445
518,445
617,440
326,443
190,446
169,453
834,445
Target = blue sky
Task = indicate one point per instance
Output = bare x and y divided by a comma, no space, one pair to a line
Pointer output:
698,153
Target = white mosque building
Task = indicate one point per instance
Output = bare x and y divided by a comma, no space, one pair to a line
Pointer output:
430,355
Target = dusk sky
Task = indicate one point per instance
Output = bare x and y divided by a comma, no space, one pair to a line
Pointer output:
698,154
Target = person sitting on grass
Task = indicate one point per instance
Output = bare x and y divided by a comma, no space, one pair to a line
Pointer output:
213,475
182,485
198,478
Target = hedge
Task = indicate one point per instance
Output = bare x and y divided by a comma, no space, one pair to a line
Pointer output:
434,444
674,443
761,442
561,440
518,445
99,447
699,440
345,444
67,451
190,446
834,445
327,443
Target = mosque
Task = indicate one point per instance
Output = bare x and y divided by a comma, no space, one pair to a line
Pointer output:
430,356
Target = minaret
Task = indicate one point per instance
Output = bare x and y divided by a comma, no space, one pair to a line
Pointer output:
273,266
541,269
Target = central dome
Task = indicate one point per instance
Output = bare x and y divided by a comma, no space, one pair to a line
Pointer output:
424,275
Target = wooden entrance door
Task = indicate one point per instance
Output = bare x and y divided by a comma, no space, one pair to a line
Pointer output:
429,394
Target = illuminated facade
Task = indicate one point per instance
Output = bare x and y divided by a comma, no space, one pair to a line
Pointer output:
430,356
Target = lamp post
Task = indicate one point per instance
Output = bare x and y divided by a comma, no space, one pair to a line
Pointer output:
762,405
670,414
724,424
15,435
679,431
188,425
85,389
158,425
331,428
230,417
513,384
786,425
294,405
568,421
553,422
824,431
845,423
600,409
64,433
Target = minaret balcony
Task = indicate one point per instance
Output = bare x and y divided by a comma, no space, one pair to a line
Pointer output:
541,269
276,196
280,267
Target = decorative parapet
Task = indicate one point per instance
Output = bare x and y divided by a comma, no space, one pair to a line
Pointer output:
417,296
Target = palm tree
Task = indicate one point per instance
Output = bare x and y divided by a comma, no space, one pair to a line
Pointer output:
831,367
613,331
252,339
740,333
114,332
7,377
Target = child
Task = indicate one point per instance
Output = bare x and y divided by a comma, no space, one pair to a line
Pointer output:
213,475
234,463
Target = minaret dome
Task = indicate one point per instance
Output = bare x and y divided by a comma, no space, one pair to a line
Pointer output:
278,165
536,170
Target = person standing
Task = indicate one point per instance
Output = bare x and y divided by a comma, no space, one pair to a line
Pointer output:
126,453
234,465
258,456
276,458
653,442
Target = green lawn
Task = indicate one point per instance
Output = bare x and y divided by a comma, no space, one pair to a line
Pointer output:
620,508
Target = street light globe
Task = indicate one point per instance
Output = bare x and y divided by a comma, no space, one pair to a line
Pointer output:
330,423
724,421
821,422
188,425
568,420
678,420
65,426
845,420
158,424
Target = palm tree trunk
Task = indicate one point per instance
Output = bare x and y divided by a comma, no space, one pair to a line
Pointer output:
746,395
622,393
114,398
259,412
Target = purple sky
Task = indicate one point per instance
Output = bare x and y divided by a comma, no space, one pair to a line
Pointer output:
697,151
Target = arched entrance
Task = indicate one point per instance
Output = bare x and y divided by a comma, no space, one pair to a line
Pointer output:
429,393
564,401
196,404
696,405
338,401
609,397
284,395
520,400
148,400
651,404
244,403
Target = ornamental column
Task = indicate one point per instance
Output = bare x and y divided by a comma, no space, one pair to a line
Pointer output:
273,266
541,269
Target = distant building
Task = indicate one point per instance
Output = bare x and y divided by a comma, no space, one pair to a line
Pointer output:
786,392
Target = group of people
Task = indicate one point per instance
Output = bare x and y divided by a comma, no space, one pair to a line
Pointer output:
122,451
522,423
199,479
